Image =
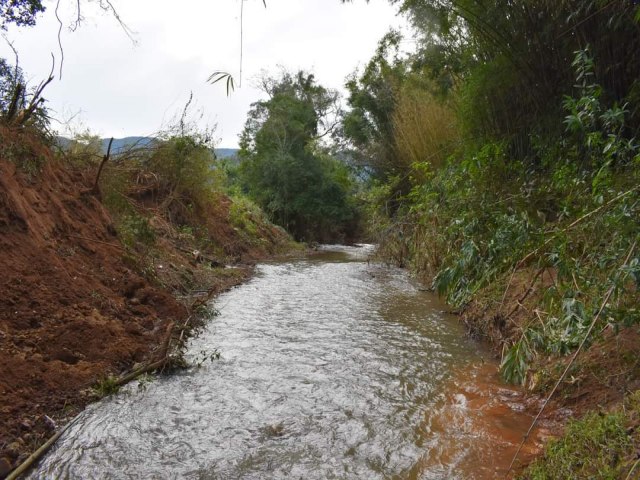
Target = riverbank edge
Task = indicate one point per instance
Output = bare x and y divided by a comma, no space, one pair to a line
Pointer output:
170,349
81,309
497,314
167,357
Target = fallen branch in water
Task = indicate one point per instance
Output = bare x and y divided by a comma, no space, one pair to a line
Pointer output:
158,364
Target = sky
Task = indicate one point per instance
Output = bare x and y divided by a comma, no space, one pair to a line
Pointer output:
114,86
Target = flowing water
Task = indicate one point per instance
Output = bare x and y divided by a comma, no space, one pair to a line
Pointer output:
330,367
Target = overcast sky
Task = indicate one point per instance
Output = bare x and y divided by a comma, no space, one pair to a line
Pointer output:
116,88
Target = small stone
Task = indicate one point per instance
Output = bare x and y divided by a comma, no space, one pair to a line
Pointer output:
13,449
26,425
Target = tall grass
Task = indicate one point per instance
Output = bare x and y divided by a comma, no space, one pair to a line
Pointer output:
425,128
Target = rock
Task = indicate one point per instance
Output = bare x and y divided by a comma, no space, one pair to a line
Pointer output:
13,449
26,425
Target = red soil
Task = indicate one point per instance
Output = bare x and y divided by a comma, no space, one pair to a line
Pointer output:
71,311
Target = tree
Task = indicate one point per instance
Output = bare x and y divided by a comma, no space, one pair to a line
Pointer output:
373,95
511,61
284,167
19,12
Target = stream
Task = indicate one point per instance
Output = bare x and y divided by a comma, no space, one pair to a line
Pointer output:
330,367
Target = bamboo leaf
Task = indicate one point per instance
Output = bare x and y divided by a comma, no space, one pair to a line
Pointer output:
216,77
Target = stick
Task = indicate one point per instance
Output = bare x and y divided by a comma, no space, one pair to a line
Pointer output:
526,294
35,456
96,241
36,99
96,187
566,370
142,370
632,469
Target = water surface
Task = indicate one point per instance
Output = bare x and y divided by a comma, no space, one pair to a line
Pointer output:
330,367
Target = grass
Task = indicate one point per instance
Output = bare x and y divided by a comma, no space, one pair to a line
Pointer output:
601,446
106,386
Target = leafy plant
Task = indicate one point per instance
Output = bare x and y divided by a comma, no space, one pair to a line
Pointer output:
593,447
135,229
106,386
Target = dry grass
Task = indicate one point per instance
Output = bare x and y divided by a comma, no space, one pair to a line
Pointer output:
425,128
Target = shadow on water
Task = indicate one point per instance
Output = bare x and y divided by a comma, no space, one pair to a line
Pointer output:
330,367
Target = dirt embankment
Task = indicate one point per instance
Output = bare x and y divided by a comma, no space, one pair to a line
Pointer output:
73,308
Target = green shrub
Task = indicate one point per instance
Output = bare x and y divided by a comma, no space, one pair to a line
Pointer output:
134,230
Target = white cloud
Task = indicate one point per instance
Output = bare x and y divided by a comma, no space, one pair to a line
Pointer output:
123,89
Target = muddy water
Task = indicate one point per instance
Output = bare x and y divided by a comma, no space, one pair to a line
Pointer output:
329,368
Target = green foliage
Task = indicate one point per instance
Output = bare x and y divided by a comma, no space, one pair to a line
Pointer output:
185,166
425,129
106,386
84,149
19,12
573,211
205,356
246,216
134,230
16,97
225,77
599,446
10,77
516,361
24,149
284,167
511,61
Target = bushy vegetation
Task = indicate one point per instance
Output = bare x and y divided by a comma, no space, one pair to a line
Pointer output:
173,188
286,169
508,143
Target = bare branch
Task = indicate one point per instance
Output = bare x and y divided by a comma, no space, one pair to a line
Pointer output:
60,26
107,6
79,18
15,53
96,185
36,99
184,114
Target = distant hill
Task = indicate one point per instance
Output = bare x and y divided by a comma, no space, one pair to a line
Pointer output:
122,144
226,152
